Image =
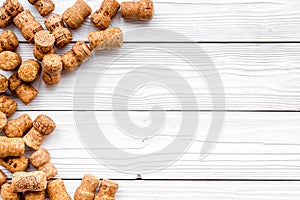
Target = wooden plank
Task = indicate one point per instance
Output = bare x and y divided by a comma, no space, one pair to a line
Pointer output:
203,20
255,77
253,145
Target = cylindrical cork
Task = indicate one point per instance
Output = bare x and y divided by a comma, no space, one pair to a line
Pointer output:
40,55
3,83
3,120
33,138
2,177
75,15
11,147
7,192
17,127
29,70
51,79
26,93
102,17
87,188
44,124
14,7
143,10
15,164
57,190
29,181
54,22
8,41
49,169
52,66
70,61
23,19
44,7
9,60
34,195
44,41
108,190
14,82
7,105
5,17
111,38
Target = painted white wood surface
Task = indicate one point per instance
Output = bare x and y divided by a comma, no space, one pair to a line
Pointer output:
205,20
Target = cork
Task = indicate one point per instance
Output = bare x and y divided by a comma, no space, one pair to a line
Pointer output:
7,192
15,164
29,70
7,105
30,30
14,82
108,190
44,7
75,15
80,53
17,127
54,22
87,188
3,83
52,66
40,55
33,138
5,18
26,93
3,120
34,195
142,10
11,147
111,38
43,44
57,190
102,17
8,41
2,177
14,7
9,60
29,181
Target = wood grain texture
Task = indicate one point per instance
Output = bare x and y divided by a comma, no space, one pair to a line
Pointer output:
258,145
203,20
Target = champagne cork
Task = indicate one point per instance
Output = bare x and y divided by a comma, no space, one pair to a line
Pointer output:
14,82
62,35
8,41
29,71
14,7
87,188
17,127
43,44
111,38
15,164
7,192
2,178
9,60
52,66
11,147
142,10
34,195
80,53
44,7
7,105
41,160
29,181
57,190
108,190
5,18
28,25
75,15
26,93
40,55
3,120
102,17
3,83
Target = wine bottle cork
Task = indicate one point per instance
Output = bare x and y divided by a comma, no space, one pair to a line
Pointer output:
2,177
34,195
52,66
17,127
41,160
29,71
14,82
14,7
111,38
87,188
7,192
57,190
8,41
102,17
75,15
3,83
44,7
11,147
43,44
108,190
28,25
29,181
80,53
26,93
15,164
3,120
5,17
9,60
142,10
7,105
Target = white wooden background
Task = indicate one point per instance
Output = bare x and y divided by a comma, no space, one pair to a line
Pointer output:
255,48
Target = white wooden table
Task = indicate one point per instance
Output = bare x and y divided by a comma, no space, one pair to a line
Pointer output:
254,46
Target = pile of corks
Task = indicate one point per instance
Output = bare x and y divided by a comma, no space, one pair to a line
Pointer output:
23,131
